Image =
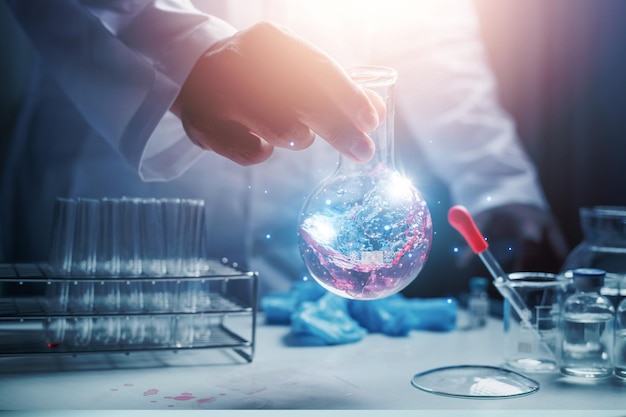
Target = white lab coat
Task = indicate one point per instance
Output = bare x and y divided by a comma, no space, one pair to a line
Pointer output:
95,121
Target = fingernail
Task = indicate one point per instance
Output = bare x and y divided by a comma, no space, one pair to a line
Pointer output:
367,120
362,150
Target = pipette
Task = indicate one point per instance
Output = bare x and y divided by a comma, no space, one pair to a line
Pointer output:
462,221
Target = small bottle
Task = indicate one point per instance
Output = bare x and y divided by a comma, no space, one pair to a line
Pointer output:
587,325
619,351
478,302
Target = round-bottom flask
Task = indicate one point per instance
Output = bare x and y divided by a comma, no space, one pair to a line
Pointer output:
365,232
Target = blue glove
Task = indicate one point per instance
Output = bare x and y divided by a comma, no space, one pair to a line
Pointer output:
397,315
326,322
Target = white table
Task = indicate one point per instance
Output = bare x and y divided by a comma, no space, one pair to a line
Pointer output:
372,374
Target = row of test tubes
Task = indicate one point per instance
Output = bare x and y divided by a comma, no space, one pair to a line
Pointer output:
128,255
129,331
131,296
128,237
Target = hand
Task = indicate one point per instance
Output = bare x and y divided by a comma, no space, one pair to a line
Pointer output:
266,87
530,235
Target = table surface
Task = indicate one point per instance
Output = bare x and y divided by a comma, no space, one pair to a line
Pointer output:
372,374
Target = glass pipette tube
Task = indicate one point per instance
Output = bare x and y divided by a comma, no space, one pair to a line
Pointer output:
462,221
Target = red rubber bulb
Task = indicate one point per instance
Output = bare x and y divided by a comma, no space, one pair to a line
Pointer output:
462,221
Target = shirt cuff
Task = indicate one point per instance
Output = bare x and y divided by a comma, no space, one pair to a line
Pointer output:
168,152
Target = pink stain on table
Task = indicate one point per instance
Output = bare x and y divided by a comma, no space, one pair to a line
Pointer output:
151,391
206,400
185,396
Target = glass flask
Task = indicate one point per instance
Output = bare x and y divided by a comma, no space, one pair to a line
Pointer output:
587,328
365,232
603,247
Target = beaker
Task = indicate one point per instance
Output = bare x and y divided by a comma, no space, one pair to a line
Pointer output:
603,247
365,232
532,345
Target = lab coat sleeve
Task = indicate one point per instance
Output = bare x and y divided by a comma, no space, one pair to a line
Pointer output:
448,97
122,64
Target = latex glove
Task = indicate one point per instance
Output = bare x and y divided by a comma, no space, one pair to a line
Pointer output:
522,238
267,87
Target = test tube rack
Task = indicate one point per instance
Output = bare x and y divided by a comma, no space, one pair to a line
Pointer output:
33,323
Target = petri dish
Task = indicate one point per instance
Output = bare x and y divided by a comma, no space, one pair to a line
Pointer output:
475,381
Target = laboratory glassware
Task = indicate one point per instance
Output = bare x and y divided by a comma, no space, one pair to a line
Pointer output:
63,223
587,327
460,218
365,232
534,349
604,247
619,349
478,302
475,381
528,318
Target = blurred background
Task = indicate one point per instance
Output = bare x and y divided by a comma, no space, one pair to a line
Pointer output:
561,68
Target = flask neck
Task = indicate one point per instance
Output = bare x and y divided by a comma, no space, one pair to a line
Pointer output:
381,81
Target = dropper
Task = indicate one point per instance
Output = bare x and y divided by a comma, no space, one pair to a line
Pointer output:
462,221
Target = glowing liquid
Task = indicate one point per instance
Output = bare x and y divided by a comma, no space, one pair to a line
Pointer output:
366,244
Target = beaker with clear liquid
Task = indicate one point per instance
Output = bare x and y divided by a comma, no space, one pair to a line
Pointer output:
365,232
532,345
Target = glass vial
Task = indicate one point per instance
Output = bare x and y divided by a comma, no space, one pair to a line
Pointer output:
478,302
619,350
365,232
587,325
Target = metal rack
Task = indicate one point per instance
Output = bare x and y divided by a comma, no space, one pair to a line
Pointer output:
33,323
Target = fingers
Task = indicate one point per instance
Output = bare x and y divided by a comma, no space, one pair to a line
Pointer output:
278,125
378,104
346,131
243,147
311,84
343,116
